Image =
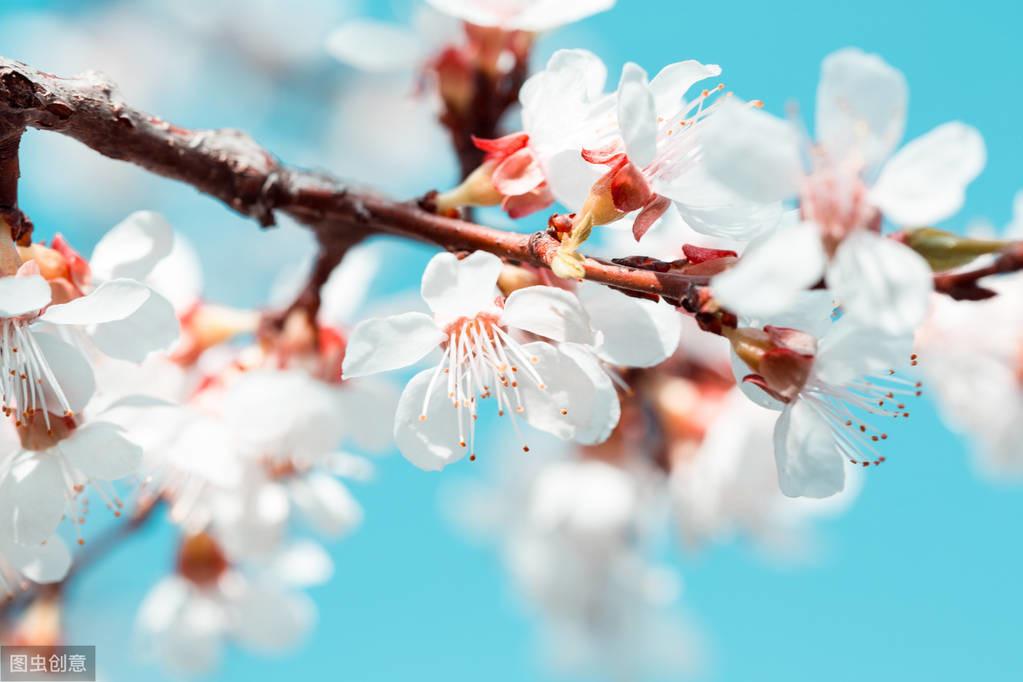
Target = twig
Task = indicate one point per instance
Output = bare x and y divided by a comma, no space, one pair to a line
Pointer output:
965,285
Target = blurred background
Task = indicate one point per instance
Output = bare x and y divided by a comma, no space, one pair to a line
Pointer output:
918,579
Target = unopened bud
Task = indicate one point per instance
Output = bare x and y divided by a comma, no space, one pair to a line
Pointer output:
944,250
476,190
52,264
515,277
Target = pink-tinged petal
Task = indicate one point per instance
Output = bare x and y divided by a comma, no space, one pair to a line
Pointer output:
881,283
609,154
772,272
456,288
807,455
672,82
133,247
751,152
925,182
519,173
153,327
35,488
101,451
71,369
375,46
78,267
795,340
326,504
633,332
861,107
550,312
526,204
785,372
637,118
699,254
21,295
501,147
578,401
385,343
651,213
629,189
431,443
112,300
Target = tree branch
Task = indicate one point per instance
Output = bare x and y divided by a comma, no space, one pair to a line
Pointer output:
965,285
229,165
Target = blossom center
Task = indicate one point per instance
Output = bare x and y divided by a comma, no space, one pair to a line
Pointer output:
835,199
28,384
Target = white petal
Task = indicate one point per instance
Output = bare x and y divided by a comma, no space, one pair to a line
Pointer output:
132,247
430,444
548,311
637,117
861,106
115,299
711,208
25,294
375,46
36,490
808,459
772,272
880,282
368,405
326,504
44,564
386,343
672,82
455,288
178,277
153,327
571,177
303,563
575,383
751,152
70,368
265,619
925,182
101,451
851,351
348,286
635,332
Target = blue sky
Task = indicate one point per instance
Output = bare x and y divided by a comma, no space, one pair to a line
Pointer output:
919,580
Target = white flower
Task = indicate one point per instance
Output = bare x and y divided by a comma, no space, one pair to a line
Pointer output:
827,391
435,423
849,185
185,619
521,15
43,563
43,474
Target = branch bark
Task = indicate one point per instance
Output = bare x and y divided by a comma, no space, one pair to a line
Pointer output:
232,167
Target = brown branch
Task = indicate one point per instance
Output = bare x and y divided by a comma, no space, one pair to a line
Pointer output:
230,166
965,285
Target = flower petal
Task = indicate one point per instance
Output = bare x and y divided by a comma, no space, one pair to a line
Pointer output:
772,272
264,618
671,83
925,182
851,351
634,332
751,152
807,455
44,564
71,369
518,174
133,247
637,117
880,282
23,294
548,311
375,46
385,343
455,288
101,451
578,401
36,490
430,443
861,106
303,563
153,327
326,504
112,300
